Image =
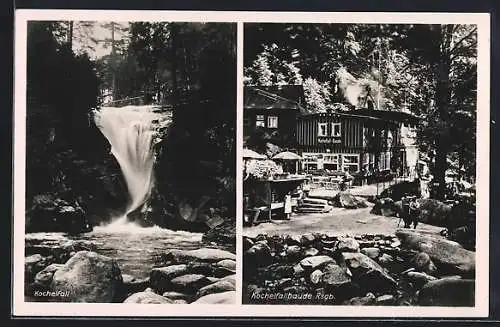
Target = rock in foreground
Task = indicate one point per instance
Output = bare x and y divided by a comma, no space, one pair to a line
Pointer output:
449,292
449,257
203,254
147,298
87,277
218,298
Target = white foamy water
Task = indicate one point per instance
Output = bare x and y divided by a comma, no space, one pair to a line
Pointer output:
133,247
130,131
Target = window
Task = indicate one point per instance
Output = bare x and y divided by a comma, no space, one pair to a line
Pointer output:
259,121
272,122
350,158
350,163
333,158
322,129
330,166
336,129
309,157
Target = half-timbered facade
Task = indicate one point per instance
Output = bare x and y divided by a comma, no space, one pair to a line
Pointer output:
357,140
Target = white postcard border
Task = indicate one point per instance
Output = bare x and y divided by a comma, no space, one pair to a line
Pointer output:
22,308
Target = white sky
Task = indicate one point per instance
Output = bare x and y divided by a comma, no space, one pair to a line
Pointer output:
97,32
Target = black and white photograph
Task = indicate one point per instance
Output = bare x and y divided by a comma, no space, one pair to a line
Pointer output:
130,162
250,164
359,164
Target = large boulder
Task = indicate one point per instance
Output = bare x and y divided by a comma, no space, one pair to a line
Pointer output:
276,271
224,268
422,262
51,214
56,247
449,257
386,207
160,277
134,285
247,243
368,299
224,233
434,212
335,277
316,262
217,287
189,283
419,279
147,298
259,255
88,277
346,200
218,298
448,292
347,244
202,268
44,277
228,264
203,254
177,296
397,191
294,252
372,252
32,265
230,278
367,273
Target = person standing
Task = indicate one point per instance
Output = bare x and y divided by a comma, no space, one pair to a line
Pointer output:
414,212
288,206
306,187
405,212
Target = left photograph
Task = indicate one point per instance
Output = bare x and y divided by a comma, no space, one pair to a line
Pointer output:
130,162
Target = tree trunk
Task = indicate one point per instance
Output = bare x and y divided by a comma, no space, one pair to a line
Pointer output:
443,100
173,50
70,35
440,168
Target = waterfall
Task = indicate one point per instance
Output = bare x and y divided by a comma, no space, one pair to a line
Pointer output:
130,131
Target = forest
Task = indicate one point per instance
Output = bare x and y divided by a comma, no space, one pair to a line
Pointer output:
428,70
188,69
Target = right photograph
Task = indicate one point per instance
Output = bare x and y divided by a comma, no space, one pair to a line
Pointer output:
359,164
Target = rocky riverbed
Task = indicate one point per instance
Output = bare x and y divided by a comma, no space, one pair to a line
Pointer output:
408,268
67,270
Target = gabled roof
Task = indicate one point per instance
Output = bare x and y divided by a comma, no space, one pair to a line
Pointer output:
274,97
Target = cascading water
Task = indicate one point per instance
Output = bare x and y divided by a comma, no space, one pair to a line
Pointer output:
130,131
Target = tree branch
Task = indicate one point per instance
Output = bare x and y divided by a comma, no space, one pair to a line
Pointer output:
455,47
455,55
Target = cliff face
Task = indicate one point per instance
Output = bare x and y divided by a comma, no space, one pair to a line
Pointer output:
71,184
194,172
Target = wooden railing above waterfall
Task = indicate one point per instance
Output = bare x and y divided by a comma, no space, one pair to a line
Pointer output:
139,100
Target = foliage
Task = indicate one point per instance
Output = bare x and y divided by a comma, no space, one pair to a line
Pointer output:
57,105
66,155
262,169
429,70
197,157
450,62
